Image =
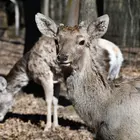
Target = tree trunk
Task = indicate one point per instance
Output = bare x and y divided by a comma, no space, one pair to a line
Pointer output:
31,7
3,19
45,7
88,11
100,7
73,12
17,17
57,10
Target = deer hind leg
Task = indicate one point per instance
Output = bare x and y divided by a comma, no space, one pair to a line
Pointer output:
47,84
112,72
118,71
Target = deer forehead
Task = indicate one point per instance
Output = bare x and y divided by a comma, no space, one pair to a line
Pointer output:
72,34
69,28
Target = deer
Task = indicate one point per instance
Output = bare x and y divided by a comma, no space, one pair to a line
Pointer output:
113,111
115,57
40,66
6,99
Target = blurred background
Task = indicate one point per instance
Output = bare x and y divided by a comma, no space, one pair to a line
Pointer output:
18,31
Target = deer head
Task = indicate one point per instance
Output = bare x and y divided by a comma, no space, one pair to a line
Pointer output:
72,41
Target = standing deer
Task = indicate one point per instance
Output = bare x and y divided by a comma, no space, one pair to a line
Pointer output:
38,65
113,110
115,57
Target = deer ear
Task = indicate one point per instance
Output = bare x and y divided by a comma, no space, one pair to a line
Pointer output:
98,28
46,25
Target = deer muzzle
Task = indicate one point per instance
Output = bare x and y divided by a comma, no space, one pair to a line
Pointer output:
63,60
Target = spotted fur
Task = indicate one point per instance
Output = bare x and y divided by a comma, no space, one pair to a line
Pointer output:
38,65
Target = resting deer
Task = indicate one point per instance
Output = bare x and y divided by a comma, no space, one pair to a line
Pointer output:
115,57
38,65
114,111
6,99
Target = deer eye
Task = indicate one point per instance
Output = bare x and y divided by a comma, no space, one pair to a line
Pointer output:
82,42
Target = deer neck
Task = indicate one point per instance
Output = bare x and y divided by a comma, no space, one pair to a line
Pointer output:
90,78
88,91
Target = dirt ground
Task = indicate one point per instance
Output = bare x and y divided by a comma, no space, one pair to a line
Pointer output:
26,120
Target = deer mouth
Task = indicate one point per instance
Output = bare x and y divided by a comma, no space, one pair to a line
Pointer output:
65,63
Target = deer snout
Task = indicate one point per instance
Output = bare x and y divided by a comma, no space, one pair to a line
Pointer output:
62,58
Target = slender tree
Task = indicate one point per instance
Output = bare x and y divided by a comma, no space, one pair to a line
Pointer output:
57,10
72,12
88,10
45,7
17,17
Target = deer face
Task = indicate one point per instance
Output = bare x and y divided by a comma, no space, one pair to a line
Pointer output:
72,41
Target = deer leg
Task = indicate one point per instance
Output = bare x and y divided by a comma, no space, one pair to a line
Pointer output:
55,104
47,84
118,71
55,115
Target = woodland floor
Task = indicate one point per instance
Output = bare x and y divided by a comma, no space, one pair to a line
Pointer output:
26,120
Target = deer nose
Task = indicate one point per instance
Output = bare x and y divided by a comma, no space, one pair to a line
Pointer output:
62,57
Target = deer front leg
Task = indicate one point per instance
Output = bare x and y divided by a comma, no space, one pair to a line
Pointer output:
55,115
47,84
55,104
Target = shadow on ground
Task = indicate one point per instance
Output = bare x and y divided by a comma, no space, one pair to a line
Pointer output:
37,91
36,118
